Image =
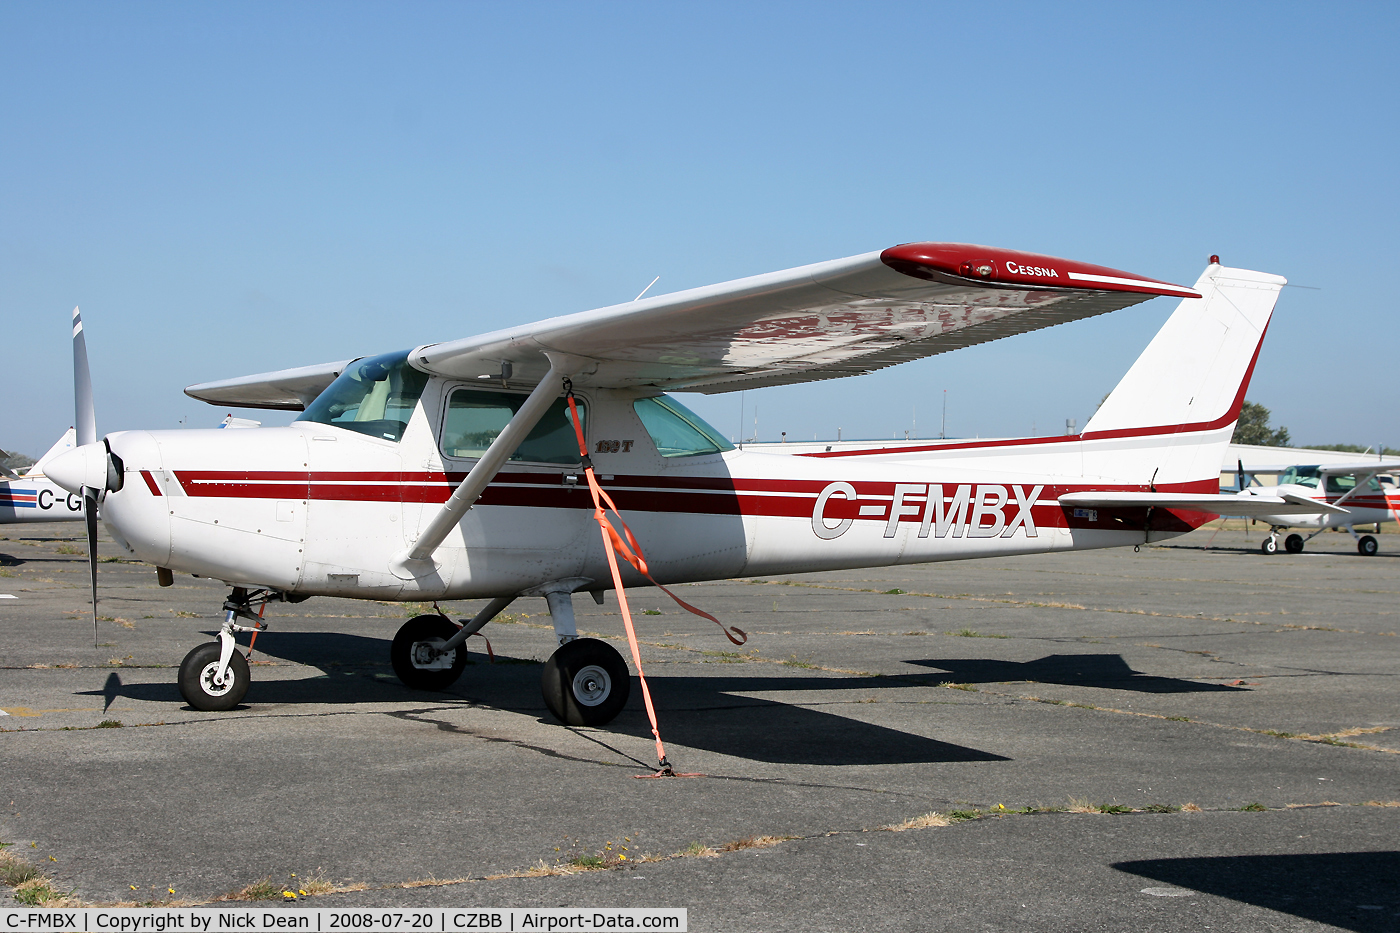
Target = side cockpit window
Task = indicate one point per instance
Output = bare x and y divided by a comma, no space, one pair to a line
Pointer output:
374,396
475,418
676,430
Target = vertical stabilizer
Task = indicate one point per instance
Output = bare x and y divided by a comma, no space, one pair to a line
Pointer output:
1178,404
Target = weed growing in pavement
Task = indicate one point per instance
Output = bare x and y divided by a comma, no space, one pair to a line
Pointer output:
972,633
1160,808
962,816
1255,807
1190,808
109,724
952,686
1114,808
895,592
753,842
932,818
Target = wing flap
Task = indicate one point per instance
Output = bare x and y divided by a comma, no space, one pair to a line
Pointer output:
1223,504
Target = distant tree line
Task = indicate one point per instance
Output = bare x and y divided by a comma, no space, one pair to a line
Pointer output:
1253,428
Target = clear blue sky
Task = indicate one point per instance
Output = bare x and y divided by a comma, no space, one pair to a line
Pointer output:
238,187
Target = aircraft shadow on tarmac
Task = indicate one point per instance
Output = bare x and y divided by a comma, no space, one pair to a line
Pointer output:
1350,890
1108,671
698,712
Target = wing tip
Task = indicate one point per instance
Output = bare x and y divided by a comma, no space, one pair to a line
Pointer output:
991,267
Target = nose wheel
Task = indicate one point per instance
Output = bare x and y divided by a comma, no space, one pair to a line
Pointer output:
417,656
203,687
585,683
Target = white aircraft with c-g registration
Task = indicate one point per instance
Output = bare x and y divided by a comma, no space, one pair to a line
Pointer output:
455,471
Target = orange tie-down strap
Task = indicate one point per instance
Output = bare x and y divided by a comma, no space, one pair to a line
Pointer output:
626,545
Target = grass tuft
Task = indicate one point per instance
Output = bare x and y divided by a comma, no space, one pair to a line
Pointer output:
1255,807
109,724
962,816
754,842
1160,808
1190,808
932,818
698,850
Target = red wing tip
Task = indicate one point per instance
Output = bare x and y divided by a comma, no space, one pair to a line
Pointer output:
984,264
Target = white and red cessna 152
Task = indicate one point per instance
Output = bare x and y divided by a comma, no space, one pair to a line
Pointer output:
454,470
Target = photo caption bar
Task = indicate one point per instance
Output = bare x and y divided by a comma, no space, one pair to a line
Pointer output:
315,920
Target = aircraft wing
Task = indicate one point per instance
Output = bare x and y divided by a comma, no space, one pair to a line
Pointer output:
286,389
840,318
1222,504
1359,467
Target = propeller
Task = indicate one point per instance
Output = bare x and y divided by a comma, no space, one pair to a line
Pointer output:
85,422
1239,475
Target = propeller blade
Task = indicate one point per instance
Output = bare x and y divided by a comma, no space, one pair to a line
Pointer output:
90,519
84,417
1239,474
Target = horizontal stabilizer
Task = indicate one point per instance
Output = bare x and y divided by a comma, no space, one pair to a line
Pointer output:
1218,504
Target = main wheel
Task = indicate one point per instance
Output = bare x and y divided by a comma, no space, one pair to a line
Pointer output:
201,690
1270,546
1293,544
413,654
1367,546
585,683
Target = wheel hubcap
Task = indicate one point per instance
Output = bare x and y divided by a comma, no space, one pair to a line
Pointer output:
213,687
592,685
428,656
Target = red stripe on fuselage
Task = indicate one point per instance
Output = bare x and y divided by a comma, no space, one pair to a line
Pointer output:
676,495
151,483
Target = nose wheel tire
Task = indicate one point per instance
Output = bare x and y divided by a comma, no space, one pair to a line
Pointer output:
1270,546
1293,544
585,683
1367,546
415,660
200,688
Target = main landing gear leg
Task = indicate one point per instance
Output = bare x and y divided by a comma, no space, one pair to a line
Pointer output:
585,682
214,676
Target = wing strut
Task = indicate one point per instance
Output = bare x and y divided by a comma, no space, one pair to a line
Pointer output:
418,561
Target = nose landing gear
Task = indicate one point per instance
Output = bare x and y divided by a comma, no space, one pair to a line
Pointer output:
214,676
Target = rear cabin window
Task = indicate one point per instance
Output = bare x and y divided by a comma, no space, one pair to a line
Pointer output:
374,396
676,430
475,418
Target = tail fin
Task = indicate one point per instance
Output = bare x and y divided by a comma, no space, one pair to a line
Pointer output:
1178,404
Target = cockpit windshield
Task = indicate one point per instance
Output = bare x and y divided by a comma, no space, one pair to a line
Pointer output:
374,396
1300,476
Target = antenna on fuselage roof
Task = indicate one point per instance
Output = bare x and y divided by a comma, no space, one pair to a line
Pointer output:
647,289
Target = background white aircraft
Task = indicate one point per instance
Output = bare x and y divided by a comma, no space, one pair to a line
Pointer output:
454,470
1358,492
33,497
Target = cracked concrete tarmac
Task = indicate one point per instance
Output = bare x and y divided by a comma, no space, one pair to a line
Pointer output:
1198,672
